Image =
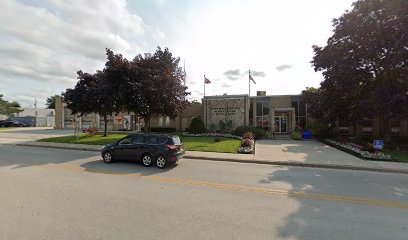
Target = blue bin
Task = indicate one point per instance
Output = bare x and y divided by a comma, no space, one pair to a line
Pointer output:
307,135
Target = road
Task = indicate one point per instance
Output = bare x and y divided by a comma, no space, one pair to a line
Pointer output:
66,194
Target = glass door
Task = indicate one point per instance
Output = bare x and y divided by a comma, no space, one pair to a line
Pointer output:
280,124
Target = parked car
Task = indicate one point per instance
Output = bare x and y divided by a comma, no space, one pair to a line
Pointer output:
149,149
12,123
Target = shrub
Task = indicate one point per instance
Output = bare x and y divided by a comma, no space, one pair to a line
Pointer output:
213,128
321,130
197,126
258,132
159,129
296,136
249,135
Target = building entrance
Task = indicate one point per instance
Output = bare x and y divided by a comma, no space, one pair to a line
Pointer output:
281,124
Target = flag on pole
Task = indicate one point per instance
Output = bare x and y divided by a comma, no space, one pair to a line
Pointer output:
250,78
206,80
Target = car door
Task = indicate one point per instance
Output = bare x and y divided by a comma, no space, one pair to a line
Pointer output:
123,148
136,149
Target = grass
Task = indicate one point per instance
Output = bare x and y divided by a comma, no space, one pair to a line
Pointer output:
208,144
400,156
204,144
85,139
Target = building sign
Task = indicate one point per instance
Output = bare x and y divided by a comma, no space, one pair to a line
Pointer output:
378,144
225,110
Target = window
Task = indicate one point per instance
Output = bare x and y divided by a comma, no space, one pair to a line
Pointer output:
259,109
262,115
251,113
124,141
167,122
160,121
153,140
162,140
138,139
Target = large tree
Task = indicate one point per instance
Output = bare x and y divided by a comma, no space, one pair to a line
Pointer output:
365,62
160,79
9,108
148,86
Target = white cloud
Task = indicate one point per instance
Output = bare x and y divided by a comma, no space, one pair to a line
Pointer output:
48,43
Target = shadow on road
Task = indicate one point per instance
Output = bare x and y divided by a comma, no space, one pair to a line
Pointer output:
331,219
16,157
123,167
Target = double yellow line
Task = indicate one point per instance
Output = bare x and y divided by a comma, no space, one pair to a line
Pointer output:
313,196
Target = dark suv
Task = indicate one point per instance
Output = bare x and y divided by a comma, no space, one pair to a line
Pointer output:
149,149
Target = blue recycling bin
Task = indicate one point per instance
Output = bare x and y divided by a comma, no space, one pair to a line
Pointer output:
307,135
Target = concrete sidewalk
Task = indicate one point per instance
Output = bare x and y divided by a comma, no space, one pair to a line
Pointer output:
273,152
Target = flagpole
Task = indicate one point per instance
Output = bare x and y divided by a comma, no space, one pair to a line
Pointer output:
204,85
249,83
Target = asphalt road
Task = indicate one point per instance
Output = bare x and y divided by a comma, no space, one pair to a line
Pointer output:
65,194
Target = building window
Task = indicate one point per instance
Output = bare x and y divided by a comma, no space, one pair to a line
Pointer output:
262,115
300,113
167,122
160,121
251,113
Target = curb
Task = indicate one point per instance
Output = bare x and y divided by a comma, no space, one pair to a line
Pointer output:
278,163
58,147
306,165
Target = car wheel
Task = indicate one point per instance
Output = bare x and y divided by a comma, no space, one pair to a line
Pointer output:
147,160
107,157
161,161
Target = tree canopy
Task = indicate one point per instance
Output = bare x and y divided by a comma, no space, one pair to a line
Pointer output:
9,108
149,86
50,102
364,63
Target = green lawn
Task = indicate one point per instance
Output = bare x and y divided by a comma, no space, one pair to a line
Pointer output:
85,139
204,144
400,156
208,144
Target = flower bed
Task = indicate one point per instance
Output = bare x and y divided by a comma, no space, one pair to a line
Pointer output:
357,150
247,146
211,135
247,142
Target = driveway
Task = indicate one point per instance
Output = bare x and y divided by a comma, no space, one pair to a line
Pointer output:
18,135
313,152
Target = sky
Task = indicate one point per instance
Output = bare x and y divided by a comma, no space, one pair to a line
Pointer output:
43,43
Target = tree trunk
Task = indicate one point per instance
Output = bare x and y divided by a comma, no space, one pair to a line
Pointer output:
146,124
105,131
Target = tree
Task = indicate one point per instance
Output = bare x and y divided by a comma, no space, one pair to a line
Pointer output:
100,92
9,108
365,63
195,102
156,86
50,102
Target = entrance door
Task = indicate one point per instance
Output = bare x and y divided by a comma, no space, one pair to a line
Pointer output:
281,124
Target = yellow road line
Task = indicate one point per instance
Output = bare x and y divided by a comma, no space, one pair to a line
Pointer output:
314,196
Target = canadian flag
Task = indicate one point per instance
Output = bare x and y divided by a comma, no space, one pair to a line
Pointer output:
206,80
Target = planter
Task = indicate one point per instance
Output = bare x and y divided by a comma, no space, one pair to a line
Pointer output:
247,146
356,150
